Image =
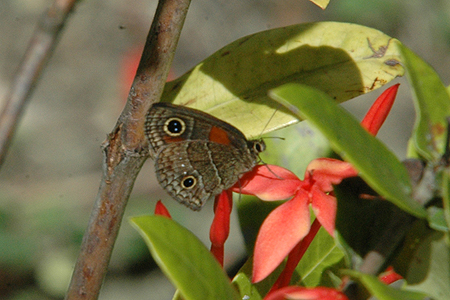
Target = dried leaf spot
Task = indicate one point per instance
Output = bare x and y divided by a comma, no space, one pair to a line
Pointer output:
381,50
392,62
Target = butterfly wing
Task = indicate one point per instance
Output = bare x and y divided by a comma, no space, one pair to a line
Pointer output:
195,126
197,156
196,171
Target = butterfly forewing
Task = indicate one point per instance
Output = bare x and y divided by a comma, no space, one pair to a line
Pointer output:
197,156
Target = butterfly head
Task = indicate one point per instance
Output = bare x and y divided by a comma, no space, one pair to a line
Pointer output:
256,146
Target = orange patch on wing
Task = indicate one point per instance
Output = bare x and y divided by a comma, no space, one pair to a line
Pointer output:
172,139
218,135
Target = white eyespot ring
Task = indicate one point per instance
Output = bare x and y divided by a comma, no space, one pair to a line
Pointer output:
174,126
188,182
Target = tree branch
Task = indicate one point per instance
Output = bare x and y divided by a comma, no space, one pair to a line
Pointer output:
125,150
39,50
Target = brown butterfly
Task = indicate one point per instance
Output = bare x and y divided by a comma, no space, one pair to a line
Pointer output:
197,156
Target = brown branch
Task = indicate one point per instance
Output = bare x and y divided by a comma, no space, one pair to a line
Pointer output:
125,150
39,50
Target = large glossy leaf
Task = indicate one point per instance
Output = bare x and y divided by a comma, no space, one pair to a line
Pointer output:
184,259
343,60
382,291
432,103
378,166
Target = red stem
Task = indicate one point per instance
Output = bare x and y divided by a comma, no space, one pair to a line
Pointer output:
220,227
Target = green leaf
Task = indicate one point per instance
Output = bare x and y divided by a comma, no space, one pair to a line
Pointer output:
301,140
430,267
323,254
382,291
184,259
252,212
258,290
446,195
358,220
378,166
343,60
321,3
432,103
436,219
247,290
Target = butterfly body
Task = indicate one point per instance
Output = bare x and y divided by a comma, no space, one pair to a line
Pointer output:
197,156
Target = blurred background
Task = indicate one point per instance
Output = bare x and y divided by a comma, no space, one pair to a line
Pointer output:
51,175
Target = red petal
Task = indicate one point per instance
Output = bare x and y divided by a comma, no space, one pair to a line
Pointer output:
328,171
302,293
295,256
389,276
161,210
281,231
268,182
324,207
380,109
220,227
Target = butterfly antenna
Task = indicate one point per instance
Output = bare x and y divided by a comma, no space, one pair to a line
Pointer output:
268,122
274,137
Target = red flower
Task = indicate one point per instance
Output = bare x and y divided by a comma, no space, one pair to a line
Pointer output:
302,293
288,224
287,229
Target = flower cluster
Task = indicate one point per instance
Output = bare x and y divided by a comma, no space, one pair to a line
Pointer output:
287,231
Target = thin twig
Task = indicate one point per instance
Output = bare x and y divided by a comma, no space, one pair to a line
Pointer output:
125,151
39,50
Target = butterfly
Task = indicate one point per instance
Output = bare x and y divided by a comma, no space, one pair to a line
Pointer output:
197,156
